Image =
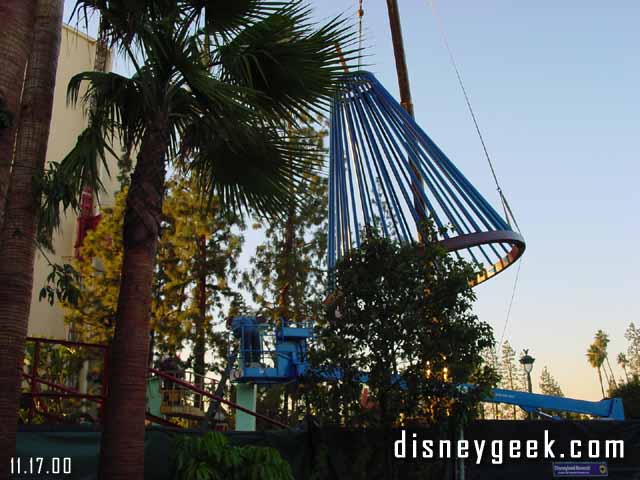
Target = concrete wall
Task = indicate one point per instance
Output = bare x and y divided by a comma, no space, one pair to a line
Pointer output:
76,55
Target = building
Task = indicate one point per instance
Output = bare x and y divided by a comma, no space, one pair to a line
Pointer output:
77,54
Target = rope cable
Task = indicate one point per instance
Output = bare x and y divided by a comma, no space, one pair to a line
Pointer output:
360,15
505,204
509,216
513,295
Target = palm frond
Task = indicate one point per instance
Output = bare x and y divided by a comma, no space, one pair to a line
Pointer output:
224,18
62,184
249,166
294,63
118,104
81,166
122,21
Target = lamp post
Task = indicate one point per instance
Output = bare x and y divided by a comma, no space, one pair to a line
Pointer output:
526,361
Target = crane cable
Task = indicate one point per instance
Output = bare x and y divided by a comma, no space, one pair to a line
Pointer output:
360,15
505,204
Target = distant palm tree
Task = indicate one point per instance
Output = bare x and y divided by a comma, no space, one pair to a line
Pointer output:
596,359
623,362
224,120
602,340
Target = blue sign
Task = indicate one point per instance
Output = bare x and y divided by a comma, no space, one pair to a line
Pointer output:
580,469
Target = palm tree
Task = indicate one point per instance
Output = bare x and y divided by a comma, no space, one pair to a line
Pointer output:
596,359
15,46
623,362
18,237
602,340
222,120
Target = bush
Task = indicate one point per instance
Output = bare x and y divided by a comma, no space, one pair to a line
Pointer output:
630,394
211,457
401,315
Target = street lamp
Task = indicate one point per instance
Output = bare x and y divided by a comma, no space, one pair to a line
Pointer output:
526,361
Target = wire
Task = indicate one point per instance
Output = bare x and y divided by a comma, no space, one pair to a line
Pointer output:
505,204
360,15
513,295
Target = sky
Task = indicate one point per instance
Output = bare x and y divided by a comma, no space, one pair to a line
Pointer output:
554,86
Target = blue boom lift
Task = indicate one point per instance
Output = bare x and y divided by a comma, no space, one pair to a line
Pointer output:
278,354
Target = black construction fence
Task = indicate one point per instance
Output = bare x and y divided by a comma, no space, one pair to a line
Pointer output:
338,454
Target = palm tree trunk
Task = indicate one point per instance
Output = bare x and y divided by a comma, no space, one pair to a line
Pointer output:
199,346
600,379
122,448
18,237
15,45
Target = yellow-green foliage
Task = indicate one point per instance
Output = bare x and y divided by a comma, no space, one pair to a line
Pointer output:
180,262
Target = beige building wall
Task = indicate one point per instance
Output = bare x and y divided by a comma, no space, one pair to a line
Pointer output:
77,52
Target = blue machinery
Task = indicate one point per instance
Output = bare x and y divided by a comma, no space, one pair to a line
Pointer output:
386,173
278,354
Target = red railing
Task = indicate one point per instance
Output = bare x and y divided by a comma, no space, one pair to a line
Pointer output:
200,391
63,391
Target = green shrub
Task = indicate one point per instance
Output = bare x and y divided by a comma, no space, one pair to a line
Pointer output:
630,394
211,457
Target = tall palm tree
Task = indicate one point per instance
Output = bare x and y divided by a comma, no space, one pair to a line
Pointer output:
18,237
596,359
623,362
15,46
602,340
222,120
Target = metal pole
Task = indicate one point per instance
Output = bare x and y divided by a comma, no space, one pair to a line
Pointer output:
405,98
401,61
530,388
34,375
181,383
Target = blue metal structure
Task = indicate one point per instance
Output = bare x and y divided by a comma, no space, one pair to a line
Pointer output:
282,358
607,409
386,173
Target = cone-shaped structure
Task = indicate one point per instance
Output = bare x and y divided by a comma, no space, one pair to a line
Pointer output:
385,172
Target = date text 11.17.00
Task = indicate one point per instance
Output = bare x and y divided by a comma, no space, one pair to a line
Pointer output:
40,466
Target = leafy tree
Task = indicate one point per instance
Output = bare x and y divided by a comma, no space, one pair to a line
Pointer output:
549,385
185,263
265,65
633,351
630,394
401,315
287,274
